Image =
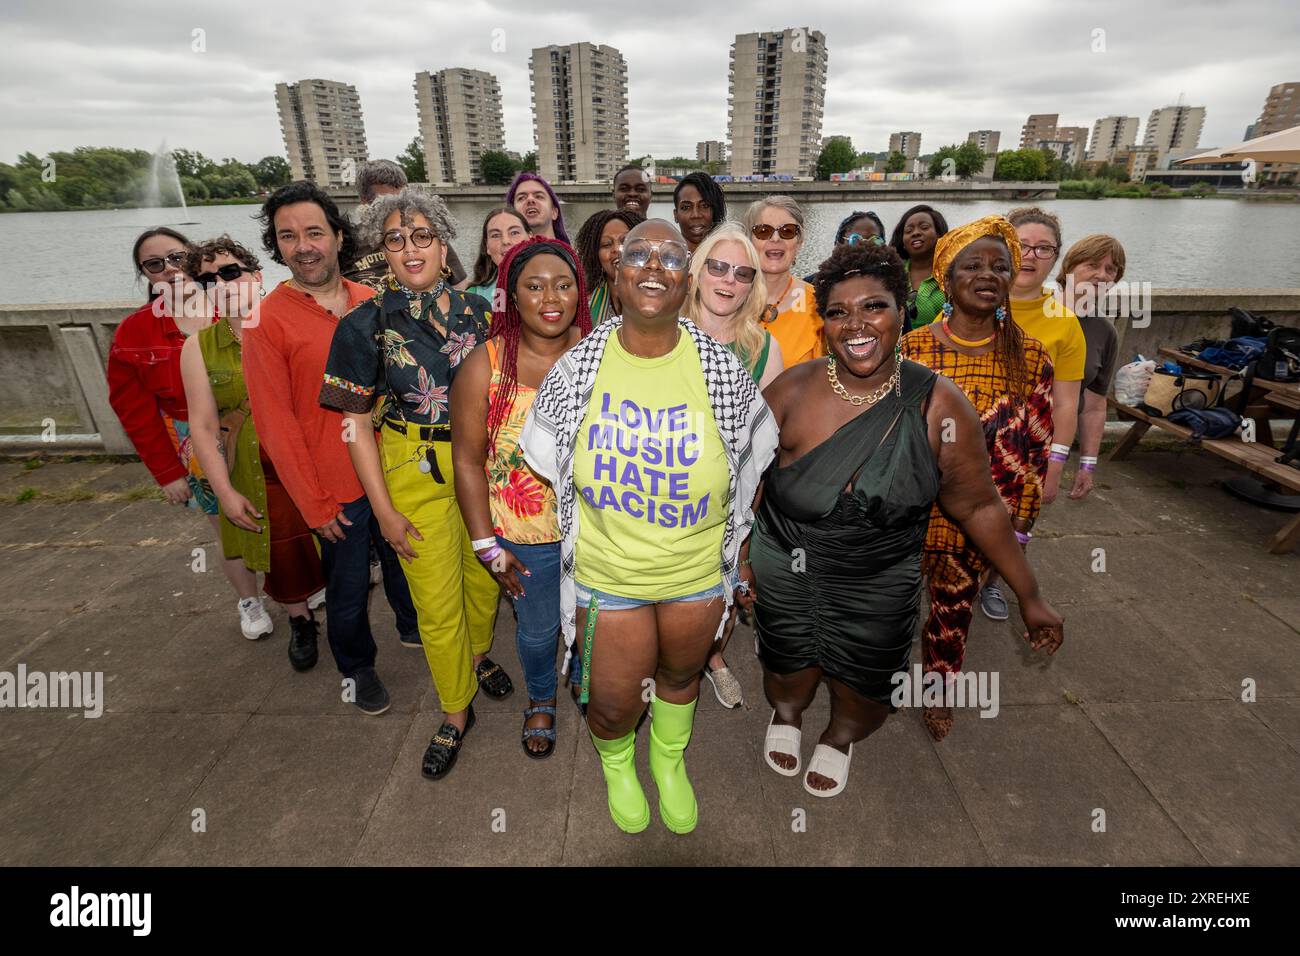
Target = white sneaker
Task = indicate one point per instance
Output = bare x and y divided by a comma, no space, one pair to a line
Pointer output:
316,600
253,619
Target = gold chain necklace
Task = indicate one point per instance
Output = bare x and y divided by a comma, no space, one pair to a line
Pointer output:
868,399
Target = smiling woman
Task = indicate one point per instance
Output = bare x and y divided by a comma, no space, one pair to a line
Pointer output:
863,459
406,345
653,436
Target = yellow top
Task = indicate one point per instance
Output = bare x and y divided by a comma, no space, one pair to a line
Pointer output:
1058,329
652,478
797,326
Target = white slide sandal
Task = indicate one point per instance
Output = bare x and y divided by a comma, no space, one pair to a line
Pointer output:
830,763
782,739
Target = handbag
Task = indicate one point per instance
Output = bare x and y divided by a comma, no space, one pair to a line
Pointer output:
1174,388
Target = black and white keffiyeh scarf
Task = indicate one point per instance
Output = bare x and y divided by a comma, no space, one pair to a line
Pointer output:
745,425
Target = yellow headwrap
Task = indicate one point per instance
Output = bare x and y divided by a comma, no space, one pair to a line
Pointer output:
955,240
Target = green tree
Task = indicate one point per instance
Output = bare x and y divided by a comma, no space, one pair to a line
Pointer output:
529,164
837,156
1023,165
896,162
496,168
412,161
271,172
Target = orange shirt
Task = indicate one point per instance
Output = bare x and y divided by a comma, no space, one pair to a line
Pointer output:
797,326
284,363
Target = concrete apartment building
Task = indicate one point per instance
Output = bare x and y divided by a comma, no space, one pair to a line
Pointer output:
322,128
711,151
1110,134
459,112
1174,129
907,143
987,140
1041,131
579,111
1281,111
776,95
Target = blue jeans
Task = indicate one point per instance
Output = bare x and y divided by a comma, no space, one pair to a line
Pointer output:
537,615
346,565
395,587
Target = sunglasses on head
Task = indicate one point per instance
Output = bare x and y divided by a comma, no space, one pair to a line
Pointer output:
227,273
719,268
790,230
673,256
157,264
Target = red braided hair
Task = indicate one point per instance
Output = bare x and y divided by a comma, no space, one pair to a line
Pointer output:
506,324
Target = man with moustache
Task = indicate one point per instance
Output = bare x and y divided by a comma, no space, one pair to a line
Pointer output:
285,349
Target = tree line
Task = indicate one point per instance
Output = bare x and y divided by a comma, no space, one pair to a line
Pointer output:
962,161
99,177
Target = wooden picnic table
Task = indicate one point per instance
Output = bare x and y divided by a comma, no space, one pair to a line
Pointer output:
1267,400
1255,456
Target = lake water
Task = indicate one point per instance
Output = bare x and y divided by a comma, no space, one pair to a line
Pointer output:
1184,243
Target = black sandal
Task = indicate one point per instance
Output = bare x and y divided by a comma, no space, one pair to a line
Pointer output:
547,732
443,749
494,681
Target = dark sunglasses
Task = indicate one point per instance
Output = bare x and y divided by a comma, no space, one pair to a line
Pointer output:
790,230
227,273
719,268
421,238
157,264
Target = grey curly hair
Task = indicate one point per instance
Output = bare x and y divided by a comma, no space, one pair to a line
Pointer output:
411,200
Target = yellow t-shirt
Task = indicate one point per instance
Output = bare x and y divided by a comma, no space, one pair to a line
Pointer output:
1049,321
797,326
652,478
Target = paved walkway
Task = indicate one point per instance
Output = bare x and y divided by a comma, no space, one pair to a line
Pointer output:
1140,715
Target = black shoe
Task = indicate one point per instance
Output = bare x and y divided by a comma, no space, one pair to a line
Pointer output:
411,640
302,642
372,695
443,749
494,681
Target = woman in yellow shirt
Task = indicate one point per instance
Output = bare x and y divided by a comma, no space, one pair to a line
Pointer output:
775,226
654,437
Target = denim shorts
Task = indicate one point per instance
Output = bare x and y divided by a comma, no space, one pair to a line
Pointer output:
616,602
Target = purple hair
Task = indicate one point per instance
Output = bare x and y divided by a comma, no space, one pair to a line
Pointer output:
558,225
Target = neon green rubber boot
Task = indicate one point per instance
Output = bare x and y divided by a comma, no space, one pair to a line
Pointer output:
670,732
627,802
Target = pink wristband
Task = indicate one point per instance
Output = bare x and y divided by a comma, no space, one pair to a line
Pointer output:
487,556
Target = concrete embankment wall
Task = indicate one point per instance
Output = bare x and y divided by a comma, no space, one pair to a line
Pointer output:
52,359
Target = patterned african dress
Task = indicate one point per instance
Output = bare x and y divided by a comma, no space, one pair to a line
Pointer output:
1018,435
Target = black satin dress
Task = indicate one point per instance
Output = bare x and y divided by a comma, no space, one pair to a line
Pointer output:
839,572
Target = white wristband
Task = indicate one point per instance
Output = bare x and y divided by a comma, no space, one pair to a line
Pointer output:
1060,449
482,544
1087,459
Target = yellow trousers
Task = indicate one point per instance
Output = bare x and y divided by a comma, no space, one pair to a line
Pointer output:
455,596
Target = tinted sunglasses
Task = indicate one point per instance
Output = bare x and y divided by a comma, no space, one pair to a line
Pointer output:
789,231
227,273
157,264
719,268
673,256
853,238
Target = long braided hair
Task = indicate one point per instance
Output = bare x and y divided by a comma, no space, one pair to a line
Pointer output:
589,240
507,323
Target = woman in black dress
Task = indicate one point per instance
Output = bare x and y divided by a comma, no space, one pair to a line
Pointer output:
868,441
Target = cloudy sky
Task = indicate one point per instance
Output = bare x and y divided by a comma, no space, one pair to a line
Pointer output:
126,72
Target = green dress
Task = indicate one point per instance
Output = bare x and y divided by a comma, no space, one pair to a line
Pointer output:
839,572
222,356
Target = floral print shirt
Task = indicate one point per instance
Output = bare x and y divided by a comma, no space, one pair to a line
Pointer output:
399,346
522,504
